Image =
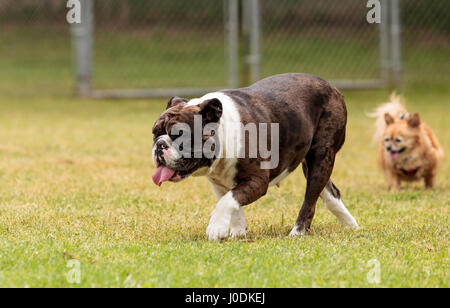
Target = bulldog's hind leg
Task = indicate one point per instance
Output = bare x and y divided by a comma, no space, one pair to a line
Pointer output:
317,168
332,199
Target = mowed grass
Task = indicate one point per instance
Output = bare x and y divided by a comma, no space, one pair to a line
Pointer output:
76,185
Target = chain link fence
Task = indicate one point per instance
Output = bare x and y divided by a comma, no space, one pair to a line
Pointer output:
331,39
35,48
160,44
426,43
153,48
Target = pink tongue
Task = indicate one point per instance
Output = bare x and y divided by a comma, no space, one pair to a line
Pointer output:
162,174
394,155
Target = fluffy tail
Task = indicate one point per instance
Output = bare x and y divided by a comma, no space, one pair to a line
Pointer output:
434,142
395,107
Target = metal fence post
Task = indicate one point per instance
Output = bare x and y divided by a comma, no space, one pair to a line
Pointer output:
384,43
396,42
254,58
251,29
82,40
232,29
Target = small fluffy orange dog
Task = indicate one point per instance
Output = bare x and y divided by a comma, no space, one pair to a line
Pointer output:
408,150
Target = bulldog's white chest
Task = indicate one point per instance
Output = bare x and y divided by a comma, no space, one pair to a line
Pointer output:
223,173
223,170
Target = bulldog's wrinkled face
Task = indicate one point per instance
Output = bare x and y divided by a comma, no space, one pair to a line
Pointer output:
401,135
176,155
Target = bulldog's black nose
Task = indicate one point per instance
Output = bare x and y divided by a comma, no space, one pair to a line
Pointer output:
161,145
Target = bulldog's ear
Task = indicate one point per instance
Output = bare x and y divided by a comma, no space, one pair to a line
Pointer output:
211,110
388,119
175,101
158,127
414,120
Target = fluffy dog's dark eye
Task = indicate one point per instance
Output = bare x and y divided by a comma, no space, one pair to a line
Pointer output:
386,139
398,140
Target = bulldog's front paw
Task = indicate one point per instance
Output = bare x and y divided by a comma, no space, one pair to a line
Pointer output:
238,227
218,227
238,231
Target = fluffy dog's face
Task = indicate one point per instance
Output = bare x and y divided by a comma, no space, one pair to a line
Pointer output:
400,135
175,154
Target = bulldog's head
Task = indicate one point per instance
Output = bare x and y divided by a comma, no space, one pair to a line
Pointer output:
181,134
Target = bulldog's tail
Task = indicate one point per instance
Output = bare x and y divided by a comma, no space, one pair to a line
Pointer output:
395,107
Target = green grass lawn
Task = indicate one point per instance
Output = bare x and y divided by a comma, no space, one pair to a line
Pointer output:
76,184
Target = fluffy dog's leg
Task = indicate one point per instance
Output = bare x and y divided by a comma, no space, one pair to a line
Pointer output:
394,180
430,180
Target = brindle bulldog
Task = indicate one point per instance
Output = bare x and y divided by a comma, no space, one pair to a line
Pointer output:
307,119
